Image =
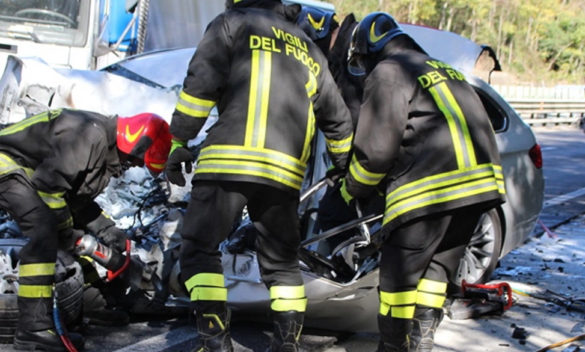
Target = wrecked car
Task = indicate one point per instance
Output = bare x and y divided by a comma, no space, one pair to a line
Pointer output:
340,282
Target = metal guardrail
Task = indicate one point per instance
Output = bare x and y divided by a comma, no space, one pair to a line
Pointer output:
540,112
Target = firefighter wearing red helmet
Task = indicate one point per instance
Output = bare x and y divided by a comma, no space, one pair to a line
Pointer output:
52,167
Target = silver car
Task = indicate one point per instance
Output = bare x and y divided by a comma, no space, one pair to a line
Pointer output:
341,283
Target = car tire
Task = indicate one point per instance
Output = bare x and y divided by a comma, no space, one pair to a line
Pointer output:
69,287
481,256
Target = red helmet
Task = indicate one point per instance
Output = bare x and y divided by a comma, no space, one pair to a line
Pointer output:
146,137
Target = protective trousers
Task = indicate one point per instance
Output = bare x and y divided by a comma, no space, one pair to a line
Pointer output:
213,209
418,260
38,223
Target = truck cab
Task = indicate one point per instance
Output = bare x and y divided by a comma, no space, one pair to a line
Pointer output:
76,34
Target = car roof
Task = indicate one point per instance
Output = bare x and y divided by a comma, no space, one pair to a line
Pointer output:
452,48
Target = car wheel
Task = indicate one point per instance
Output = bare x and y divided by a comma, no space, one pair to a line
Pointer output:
482,254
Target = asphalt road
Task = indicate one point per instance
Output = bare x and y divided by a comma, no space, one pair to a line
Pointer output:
564,167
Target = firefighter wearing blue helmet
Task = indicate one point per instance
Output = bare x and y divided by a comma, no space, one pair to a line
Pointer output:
423,136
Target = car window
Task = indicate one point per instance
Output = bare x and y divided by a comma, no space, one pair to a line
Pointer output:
497,116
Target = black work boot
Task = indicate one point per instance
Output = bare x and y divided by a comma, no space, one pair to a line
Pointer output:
395,334
46,340
213,324
287,330
425,323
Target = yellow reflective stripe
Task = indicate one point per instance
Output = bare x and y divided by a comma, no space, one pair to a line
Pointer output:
442,180
287,292
403,312
341,146
205,279
53,200
464,151
217,321
309,135
251,169
7,165
195,107
38,269
362,175
311,85
440,196
209,294
262,155
284,305
398,298
65,224
259,98
430,299
17,127
432,286
35,291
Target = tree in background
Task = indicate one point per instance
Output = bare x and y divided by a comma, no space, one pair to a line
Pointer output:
539,41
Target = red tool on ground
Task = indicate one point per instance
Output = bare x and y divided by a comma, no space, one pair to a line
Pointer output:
480,299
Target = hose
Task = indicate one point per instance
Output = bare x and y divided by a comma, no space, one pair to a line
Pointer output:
60,327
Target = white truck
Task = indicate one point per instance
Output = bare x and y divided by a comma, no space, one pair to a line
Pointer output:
91,34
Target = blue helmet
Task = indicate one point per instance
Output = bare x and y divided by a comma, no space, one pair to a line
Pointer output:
317,23
319,26
369,38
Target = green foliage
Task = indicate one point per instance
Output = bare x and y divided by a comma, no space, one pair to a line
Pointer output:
536,40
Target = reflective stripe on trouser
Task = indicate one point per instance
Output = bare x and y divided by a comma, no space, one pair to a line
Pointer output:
212,209
37,258
287,298
419,257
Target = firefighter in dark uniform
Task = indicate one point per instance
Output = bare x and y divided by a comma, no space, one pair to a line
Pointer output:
424,133
334,39
52,166
271,86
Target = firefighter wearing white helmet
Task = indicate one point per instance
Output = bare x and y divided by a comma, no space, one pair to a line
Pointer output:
423,136
52,167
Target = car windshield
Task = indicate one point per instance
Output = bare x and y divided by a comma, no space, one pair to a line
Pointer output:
63,22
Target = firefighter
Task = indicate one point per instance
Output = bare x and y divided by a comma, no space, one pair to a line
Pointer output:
270,85
334,39
53,165
425,134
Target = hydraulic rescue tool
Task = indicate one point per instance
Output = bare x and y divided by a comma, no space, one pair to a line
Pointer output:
129,268
477,300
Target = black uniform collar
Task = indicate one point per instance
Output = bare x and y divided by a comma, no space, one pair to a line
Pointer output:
289,12
260,4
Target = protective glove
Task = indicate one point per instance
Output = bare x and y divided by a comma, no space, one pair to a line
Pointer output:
114,238
348,198
68,238
334,173
178,155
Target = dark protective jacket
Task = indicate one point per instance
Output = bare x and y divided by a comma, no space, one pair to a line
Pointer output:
68,155
424,131
270,84
351,87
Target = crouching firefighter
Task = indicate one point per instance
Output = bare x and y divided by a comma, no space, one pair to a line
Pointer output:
270,85
423,133
52,163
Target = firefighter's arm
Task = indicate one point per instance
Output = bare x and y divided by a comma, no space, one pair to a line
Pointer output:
74,154
94,220
204,83
334,119
380,129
